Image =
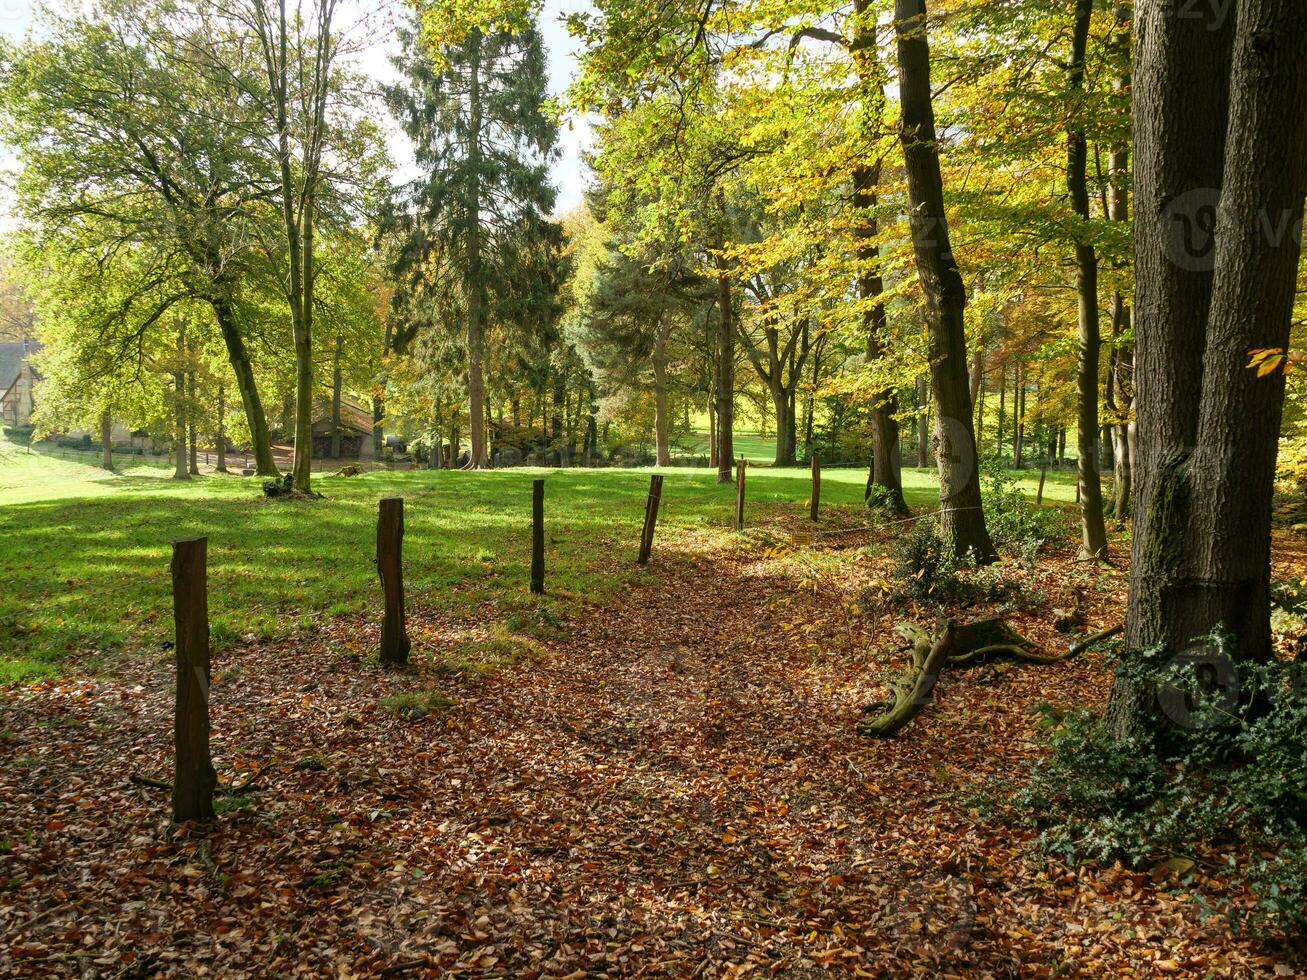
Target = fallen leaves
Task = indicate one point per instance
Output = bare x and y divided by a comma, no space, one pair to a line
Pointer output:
673,788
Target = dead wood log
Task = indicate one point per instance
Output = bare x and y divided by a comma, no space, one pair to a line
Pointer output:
956,646
913,690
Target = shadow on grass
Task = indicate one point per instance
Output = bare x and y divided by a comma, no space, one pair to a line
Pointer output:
82,578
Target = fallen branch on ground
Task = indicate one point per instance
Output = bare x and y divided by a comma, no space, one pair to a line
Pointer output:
956,646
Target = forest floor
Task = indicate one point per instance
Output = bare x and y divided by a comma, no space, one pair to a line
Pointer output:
661,779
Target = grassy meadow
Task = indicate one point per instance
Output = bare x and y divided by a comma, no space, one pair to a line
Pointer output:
84,553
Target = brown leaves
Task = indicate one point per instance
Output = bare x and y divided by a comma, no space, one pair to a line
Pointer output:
674,789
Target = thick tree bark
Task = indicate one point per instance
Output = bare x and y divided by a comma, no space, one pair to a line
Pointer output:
962,520
1093,543
1217,107
106,440
1181,95
1258,247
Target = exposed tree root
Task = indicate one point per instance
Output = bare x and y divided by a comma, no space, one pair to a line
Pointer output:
956,646
149,781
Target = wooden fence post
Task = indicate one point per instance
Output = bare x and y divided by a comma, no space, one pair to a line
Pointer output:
650,517
739,494
538,537
194,779
814,506
390,544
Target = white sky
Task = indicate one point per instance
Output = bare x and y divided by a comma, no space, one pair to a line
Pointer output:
569,175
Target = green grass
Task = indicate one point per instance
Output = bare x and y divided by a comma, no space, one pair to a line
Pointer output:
84,554
754,447
415,704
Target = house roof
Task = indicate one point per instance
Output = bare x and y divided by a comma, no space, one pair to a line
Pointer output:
12,356
352,414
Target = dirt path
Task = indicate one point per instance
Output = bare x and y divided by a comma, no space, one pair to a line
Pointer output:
676,789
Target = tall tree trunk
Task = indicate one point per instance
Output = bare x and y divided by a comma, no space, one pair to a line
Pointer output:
725,376
1180,105
1019,417
1002,411
923,422
194,465
335,396
1093,543
886,463
556,417
255,420
962,520
303,467
1258,247
221,430
977,372
591,425
1120,392
106,440
1223,112
475,326
786,428
180,470
662,450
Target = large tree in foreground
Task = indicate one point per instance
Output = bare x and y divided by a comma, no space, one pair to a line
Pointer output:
473,105
962,521
1221,104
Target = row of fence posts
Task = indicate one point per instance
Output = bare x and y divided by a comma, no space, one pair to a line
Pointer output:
194,778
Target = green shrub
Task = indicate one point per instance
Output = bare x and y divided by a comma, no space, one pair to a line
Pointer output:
1015,524
879,499
923,570
1227,768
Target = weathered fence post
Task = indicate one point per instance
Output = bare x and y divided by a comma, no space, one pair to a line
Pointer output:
194,779
390,544
538,537
739,495
650,517
814,506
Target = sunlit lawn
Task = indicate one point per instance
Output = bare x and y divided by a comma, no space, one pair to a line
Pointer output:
84,554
